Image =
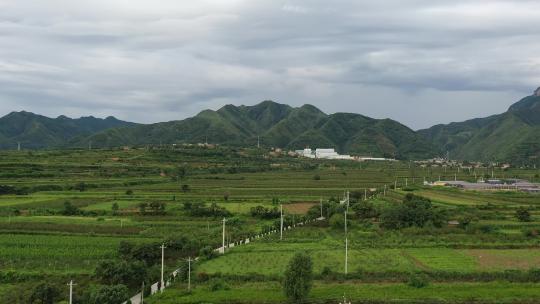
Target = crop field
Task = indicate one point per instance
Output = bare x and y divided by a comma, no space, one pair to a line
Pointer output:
65,254
65,213
270,292
271,259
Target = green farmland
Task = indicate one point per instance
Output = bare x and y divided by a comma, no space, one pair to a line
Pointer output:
70,215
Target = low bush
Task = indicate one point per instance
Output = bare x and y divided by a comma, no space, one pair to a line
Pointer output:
418,280
217,284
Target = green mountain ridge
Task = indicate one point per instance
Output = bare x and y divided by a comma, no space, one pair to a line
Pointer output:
513,136
36,131
277,125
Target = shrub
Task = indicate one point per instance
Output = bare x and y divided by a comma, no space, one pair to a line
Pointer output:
45,293
265,213
534,275
487,228
317,177
418,281
337,221
207,253
217,284
70,209
107,294
523,215
530,232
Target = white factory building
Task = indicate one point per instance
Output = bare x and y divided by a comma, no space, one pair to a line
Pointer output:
322,153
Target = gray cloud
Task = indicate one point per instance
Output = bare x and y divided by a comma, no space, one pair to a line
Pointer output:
420,62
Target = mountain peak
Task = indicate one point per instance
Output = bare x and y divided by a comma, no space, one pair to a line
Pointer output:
537,92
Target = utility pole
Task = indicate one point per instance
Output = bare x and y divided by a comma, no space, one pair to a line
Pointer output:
346,237
162,266
71,284
321,208
89,145
258,141
142,293
395,184
18,146
281,222
407,182
189,274
223,242
365,194
384,193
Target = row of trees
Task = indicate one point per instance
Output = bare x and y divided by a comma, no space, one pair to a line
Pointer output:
200,209
265,213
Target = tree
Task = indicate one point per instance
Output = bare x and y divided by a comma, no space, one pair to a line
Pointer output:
364,210
157,207
185,188
142,208
121,272
298,278
181,172
115,208
81,186
523,215
45,293
337,221
107,295
70,209
414,211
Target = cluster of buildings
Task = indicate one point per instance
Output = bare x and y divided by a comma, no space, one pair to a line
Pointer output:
492,184
332,154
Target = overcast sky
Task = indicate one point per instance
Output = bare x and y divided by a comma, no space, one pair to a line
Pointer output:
420,62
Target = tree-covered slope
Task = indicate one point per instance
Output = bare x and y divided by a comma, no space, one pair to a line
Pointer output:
512,136
36,131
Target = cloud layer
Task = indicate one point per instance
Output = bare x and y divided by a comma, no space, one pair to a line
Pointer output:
418,61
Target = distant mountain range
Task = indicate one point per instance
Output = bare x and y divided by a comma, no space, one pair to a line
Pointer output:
37,132
511,136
